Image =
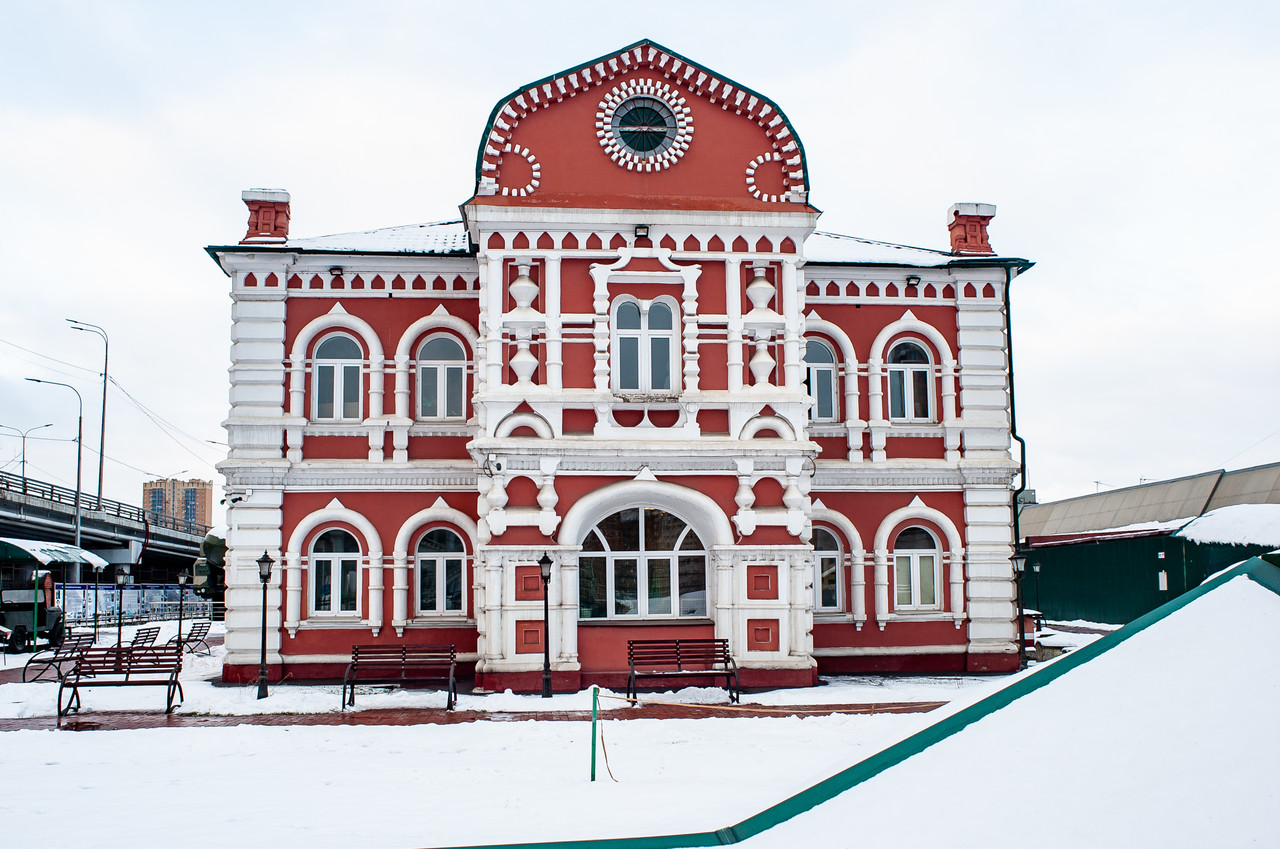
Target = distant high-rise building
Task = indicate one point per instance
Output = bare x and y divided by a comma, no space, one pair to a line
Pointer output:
185,505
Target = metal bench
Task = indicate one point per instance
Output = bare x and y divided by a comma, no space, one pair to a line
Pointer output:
400,665
195,636
52,659
123,666
682,658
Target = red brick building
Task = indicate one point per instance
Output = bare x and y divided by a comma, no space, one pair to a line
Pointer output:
635,355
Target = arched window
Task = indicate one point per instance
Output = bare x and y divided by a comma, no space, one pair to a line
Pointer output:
820,365
826,578
336,381
644,344
441,379
335,574
910,383
642,564
917,568
441,557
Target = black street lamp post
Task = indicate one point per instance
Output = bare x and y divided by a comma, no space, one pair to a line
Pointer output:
182,590
264,573
545,566
121,577
1019,566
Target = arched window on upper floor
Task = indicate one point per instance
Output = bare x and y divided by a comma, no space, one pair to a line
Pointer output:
441,571
336,379
335,574
917,570
826,578
442,379
821,378
910,373
644,346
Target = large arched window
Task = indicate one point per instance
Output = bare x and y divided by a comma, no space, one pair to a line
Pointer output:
441,558
917,570
642,564
820,366
335,574
336,379
826,578
910,383
441,379
644,345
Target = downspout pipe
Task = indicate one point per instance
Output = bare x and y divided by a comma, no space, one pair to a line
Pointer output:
1013,408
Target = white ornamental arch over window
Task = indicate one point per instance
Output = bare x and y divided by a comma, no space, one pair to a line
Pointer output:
644,125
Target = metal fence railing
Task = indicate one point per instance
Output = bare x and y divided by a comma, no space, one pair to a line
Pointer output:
62,495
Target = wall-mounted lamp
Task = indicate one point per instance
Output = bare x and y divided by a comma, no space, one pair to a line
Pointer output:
642,231
913,281
336,271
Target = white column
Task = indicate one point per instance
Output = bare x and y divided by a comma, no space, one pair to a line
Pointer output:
882,587
376,587
400,593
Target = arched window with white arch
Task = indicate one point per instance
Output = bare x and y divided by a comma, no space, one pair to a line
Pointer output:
335,574
642,563
442,370
910,375
821,378
917,570
827,594
441,570
644,345
336,379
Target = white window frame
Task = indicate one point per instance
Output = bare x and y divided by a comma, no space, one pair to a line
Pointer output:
335,559
645,337
913,558
443,368
813,373
822,558
337,382
441,566
642,559
907,373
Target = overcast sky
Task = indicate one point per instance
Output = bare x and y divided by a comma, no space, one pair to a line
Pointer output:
1131,150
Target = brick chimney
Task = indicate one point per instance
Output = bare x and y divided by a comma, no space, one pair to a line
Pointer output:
968,225
268,215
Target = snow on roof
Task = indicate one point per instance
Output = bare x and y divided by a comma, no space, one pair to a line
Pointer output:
1240,524
833,247
440,237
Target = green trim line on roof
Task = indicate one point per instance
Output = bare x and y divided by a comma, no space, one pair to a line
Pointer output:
1263,570
644,42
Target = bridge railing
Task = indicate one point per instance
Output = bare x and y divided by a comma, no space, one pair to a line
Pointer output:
63,495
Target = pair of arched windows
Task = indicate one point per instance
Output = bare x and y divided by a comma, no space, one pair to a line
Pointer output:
337,389
917,571
439,572
908,374
645,335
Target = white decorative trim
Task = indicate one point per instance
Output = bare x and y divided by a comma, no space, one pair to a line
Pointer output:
530,187
332,513
698,509
624,157
771,156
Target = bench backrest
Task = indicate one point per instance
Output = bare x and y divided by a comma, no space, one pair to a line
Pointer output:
73,644
678,653
127,661
145,636
401,655
198,631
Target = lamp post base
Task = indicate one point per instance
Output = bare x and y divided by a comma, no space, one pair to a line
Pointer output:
262,683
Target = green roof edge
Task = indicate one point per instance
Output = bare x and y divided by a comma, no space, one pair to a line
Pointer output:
1261,570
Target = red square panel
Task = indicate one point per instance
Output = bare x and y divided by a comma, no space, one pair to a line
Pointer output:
528,583
762,581
762,635
529,636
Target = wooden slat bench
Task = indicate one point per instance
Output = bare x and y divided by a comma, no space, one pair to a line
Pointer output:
54,659
682,658
144,636
400,665
123,666
194,637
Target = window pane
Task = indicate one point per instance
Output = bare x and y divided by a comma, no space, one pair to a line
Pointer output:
440,540
691,542
440,348
622,530
902,576
927,593
816,352
659,586
324,392
629,316
339,348
659,317
826,394
429,392
592,542
320,575
629,363
453,584
661,530
351,392
453,393
907,352
660,363
920,393
693,586
625,586
336,540
897,394
427,584
830,574
824,540
914,538
349,584
592,589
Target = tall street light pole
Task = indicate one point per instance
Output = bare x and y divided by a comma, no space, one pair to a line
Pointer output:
79,444
264,574
24,448
544,566
102,431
